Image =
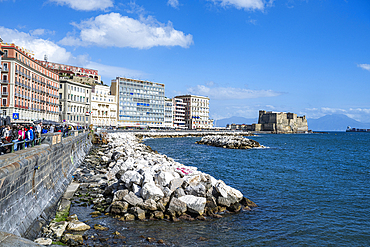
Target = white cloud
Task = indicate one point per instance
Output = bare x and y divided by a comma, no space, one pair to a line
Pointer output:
332,110
86,5
58,54
244,4
122,31
40,32
231,93
364,66
39,47
173,3
359,114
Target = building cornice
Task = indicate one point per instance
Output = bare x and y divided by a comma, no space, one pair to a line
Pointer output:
24,54
10,59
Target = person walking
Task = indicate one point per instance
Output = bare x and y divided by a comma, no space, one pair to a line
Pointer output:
15,137
7,134
38,130
30,135
21,136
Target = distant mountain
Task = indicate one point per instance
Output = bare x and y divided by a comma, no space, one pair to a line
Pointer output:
236,120
335,122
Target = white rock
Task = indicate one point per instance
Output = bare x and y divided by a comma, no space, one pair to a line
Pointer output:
151,191
58,227
228,192
130,177
194,204
76,225
147,178
164,178
43,241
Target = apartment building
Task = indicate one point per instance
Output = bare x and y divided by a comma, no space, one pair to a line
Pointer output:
77,72
196,112
1,54
140,103
75,101
103,106
29,90
179,113
168,113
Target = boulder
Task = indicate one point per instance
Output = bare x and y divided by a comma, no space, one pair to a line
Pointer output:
179,192
176,183
147,178
164,178
100,227
72,239
159,215
43,241
151,191
194,204
119,194
133,199
167,192
118,207
196,190
130,177
177,206
58,228
228,195
149,204
76,225
129,217
160,206
138,212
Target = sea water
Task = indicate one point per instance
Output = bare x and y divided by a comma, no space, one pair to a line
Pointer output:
311,190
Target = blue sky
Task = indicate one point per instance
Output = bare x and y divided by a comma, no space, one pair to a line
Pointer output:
310,57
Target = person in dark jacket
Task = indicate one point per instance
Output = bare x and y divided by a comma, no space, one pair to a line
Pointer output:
14,136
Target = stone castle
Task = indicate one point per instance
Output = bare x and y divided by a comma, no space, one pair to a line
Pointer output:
276,122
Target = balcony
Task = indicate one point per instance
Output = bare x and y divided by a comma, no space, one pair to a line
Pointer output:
5,69
4,81
4,93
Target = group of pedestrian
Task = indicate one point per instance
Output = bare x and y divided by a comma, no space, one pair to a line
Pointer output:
28,132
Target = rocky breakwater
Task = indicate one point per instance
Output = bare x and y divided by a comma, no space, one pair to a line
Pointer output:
181,134
232,142
141,184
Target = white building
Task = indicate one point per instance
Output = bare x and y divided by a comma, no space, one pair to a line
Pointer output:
179,113
74,98
168,113
103,106
196,112
140,103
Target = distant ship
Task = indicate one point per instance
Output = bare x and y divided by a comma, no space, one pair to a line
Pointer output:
349,129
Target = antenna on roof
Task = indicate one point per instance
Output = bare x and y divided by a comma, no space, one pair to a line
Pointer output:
46,58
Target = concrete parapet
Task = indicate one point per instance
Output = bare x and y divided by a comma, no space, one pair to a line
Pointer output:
33,180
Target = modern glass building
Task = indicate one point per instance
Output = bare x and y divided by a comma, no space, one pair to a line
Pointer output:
140,103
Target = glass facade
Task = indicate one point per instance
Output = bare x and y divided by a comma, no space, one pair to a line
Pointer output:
141,102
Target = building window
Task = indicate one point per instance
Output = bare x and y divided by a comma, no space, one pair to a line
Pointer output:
4,102
61,95
61,85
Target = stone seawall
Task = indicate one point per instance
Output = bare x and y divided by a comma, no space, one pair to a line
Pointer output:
33,180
